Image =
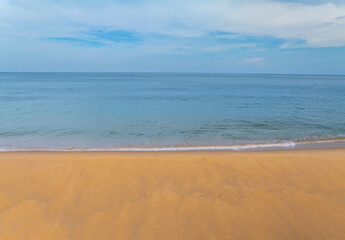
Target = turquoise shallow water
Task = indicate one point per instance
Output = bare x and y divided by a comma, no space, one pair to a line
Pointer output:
97,110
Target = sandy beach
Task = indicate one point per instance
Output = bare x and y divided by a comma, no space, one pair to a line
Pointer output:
293,194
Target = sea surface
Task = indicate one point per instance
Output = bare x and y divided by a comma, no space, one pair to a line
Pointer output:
168,111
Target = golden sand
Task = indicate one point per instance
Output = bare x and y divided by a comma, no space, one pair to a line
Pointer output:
192,195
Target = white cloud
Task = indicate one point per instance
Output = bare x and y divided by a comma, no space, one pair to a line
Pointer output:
252,60
300,25
220,48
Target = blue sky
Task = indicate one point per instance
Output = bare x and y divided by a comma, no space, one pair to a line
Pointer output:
173,36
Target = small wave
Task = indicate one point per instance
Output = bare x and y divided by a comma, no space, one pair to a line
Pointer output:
156,149
324,140
239,147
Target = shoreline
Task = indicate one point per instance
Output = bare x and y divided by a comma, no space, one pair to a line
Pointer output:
110,152
288,145
284,194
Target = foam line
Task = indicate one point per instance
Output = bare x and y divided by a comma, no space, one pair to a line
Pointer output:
156,149
279,145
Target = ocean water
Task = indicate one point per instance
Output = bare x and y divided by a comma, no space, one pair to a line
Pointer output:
167,111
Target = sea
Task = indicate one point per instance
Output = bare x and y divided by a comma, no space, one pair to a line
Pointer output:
170,111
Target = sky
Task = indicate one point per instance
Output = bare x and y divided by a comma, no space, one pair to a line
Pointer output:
236,36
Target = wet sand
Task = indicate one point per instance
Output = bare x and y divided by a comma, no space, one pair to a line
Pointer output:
294,194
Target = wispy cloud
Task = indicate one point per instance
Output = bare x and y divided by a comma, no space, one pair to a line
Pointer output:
252,60
173,34
221,48
117,36
76,41
317,25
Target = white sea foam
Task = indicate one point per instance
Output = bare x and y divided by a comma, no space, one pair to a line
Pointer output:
158,149
243,147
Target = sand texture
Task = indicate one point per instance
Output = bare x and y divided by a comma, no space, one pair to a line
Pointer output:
296,194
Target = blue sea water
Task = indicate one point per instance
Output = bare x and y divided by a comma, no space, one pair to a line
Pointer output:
133,110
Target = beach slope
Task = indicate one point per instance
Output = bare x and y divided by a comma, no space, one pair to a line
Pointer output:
294,194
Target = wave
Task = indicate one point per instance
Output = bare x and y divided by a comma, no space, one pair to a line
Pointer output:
259,146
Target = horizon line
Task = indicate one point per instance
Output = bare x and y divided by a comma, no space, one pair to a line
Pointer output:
176,72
